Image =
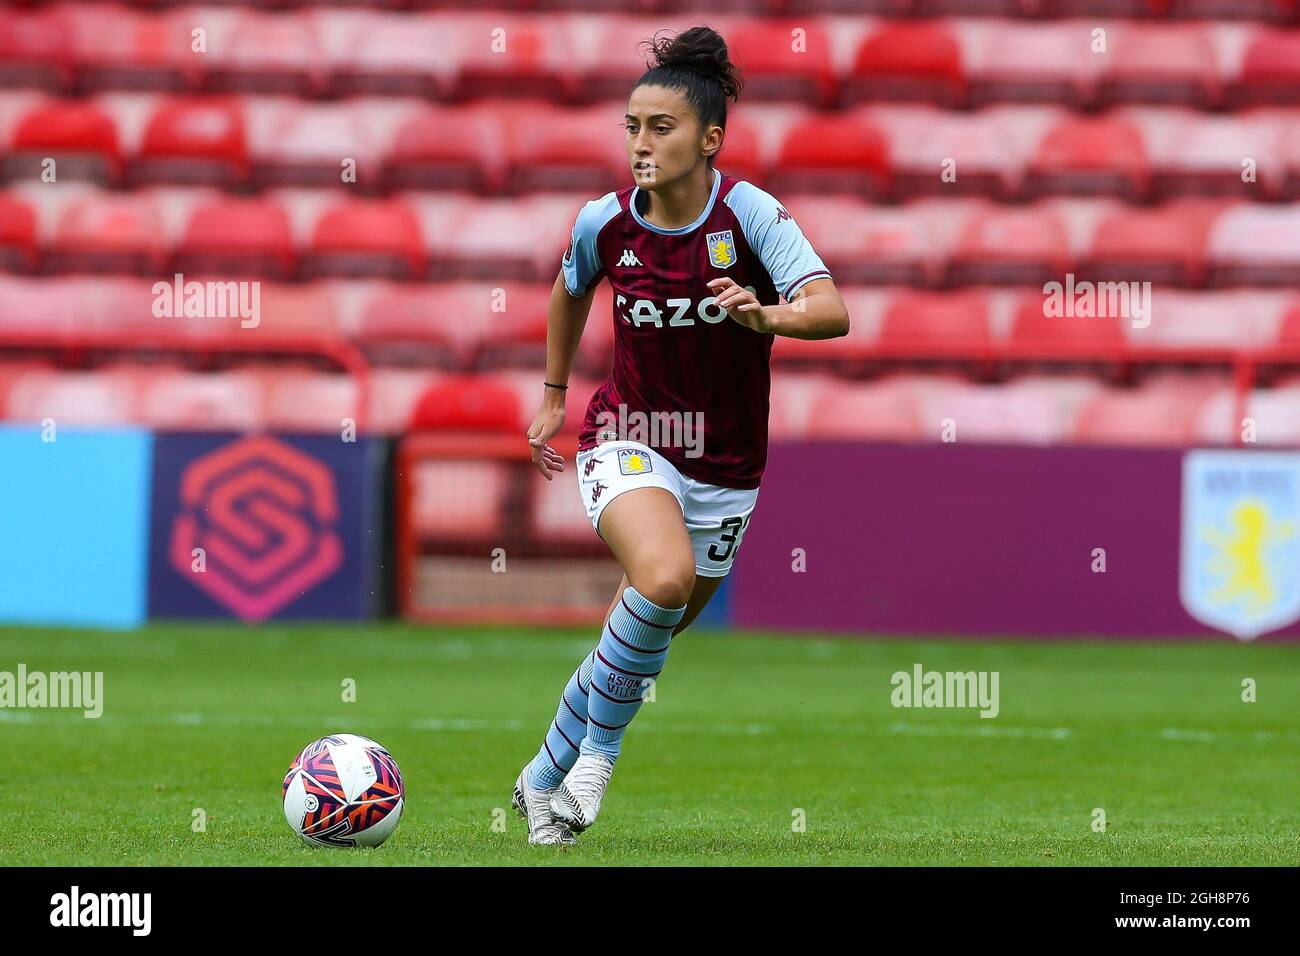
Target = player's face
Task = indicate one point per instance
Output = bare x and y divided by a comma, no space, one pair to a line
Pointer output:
665,140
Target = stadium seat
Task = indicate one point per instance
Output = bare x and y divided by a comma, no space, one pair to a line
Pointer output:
885,410
17,234
550,147
1160,63
1270,69
192,140
306,401
907,61
1204,155
1162,415
508,323
467,403
868,244
439,147
393,394
79,136
204,401
1268,11
1275,413
115,48
1086,155
792,399
365,238
849,353
276,53
1209,321
1034,334
1163,244
306,313
36,49
555,511
502,239
405,324
302,144
832,153
228,235
1255,244
109,232
1009,244
370,54
775,68
932,152
1005,414
920,324
1029,62
507,54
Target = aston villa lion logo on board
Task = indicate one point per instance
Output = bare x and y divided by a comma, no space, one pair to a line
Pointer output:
722,248
1241,540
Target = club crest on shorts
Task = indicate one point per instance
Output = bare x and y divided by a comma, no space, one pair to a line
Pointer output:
633,461
722,248
1241,541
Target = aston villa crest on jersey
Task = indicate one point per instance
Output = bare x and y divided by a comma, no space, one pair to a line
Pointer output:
1241,540
722,248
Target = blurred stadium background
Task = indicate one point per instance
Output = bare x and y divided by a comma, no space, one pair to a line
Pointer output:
400,177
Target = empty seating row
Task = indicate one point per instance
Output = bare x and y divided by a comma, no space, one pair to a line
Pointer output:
931,243
501,147
575,57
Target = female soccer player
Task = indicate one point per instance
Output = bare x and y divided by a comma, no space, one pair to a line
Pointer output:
674,442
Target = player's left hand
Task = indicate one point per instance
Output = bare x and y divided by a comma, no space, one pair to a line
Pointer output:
741,304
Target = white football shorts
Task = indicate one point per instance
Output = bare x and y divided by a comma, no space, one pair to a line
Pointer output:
716,517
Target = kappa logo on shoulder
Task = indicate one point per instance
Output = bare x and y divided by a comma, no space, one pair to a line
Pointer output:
782,215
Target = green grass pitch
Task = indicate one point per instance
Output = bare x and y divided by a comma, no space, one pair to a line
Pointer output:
745,732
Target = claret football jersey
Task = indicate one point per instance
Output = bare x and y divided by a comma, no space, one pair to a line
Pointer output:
688,379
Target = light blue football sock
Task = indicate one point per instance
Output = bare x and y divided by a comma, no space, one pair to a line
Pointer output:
631,653
560,747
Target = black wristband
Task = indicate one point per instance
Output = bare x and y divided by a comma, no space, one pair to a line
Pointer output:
553,385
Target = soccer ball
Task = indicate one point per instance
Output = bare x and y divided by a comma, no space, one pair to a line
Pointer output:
344,790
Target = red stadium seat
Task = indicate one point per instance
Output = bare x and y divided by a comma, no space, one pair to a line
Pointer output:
509,323
1207,321
1163,414
193,141
303,313
79,136
370,54
555,511
1164,244
596,348
1272,11
408,324
501,239
204,401
606,58
36,49
868,244
936,324
267,53
1029,62
1034,334
1275,412
924,143
1009,244
793,397
123,49
782,65
886,410
359,238
1255,244
226,235
441,147
29,305
109,232
300,144
832,153
1090,156
1270,69
1195,154
507,54
1160,63
1016,413
468,403
556,148
907,61
17,234
305,401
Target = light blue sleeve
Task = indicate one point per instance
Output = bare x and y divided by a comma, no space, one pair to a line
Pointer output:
776,239
582,264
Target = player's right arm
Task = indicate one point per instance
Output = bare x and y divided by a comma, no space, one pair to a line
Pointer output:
566,317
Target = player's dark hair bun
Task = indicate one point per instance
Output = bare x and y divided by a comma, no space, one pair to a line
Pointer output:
701,49
697,63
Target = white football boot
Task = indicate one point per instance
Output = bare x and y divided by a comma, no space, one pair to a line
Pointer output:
577,800
534,808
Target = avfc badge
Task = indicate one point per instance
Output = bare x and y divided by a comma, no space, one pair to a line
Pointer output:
722,249
633,461
1241,540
